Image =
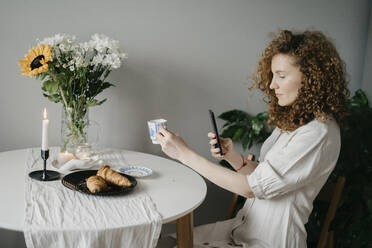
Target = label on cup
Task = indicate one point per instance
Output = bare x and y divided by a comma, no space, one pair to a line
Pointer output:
154,126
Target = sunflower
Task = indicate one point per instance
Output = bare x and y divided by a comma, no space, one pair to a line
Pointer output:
36,61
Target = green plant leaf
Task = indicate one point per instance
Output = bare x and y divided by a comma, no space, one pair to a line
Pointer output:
226,124
54,98
257,126
234,116
230,131
50,86
42,76
94,102
106,85
100,102
246,138
237,135
91,103
263,116
359,100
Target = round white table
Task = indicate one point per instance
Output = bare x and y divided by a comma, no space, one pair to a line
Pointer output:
176,190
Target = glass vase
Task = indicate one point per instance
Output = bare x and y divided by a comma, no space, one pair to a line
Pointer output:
74,129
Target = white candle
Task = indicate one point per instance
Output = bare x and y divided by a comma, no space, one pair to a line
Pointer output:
44,138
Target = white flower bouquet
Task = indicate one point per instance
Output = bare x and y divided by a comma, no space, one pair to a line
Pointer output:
74,74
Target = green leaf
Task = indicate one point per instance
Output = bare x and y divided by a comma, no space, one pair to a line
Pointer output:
42,76
240,126
246,138
263,116
92,103
106,85
106,73
230,131
50,86
226,124
61,78
100,102
257,126
368,191
359,100
237,135
234,116
54,98
70,81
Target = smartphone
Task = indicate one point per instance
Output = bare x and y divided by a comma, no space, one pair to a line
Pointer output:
213,120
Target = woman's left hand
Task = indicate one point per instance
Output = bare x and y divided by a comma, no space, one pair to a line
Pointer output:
172,144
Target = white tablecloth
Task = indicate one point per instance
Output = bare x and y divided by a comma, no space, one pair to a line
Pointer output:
59,217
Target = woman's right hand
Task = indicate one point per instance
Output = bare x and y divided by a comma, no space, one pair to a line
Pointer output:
226,144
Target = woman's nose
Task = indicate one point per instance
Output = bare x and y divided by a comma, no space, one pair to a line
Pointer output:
273,84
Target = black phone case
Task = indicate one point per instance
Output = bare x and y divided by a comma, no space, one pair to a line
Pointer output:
213,120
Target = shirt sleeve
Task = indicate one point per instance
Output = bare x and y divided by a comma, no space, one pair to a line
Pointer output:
292,166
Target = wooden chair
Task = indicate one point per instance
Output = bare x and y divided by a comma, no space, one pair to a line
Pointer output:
331,192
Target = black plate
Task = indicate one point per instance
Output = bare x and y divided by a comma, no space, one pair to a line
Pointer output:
76,181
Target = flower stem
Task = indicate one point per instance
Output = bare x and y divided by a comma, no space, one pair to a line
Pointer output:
63,96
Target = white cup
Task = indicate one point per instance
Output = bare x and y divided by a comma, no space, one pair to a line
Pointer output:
154,126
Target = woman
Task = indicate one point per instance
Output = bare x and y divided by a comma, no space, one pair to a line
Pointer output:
303,78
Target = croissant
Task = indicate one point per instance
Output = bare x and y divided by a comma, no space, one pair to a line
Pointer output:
113,177
96,184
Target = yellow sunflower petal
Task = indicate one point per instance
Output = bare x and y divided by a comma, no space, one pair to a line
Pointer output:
43,54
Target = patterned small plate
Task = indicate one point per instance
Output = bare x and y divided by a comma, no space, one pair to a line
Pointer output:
136,171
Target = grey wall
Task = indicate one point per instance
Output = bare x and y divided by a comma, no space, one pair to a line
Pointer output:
184,57
367,73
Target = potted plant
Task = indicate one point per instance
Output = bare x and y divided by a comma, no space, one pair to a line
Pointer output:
243,128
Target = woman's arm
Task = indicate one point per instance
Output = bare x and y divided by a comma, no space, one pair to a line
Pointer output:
236,160
175,147
223,177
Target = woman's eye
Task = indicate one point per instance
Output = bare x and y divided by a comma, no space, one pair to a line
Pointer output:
280,76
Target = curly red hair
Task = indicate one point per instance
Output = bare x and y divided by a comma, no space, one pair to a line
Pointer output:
323,91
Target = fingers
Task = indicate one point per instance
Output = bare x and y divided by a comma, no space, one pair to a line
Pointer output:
211,135
164,132
215,150
217,154
164,135
160,137
213,142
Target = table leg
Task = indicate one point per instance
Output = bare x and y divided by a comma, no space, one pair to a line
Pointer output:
185,227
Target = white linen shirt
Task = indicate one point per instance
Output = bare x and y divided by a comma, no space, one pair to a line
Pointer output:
293,168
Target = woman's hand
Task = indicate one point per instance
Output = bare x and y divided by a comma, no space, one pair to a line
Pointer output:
226,144
172,144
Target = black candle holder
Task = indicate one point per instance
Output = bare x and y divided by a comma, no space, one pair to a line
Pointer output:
44,175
